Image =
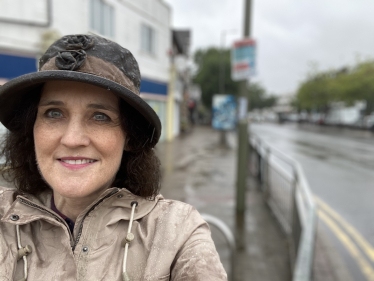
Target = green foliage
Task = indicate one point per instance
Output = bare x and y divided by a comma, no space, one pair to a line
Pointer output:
208,63
258,97
208,75
347,85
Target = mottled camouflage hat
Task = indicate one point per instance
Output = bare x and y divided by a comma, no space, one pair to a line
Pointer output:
89,59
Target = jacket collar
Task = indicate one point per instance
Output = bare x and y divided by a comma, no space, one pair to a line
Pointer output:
124,198
26,209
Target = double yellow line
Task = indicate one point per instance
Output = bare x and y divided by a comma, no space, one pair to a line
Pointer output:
341,228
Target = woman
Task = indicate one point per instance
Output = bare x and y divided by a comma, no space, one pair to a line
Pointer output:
80,152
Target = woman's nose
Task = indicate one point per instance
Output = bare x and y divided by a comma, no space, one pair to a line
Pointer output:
75,135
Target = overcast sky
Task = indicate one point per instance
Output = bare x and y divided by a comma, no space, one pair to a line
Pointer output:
291,34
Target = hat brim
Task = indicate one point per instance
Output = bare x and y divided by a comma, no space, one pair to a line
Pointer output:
12,92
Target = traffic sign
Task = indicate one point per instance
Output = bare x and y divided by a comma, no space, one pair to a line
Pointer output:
243,59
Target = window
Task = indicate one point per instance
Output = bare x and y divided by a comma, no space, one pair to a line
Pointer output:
148,39
102,18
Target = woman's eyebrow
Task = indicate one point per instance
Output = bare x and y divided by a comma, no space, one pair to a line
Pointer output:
52,102
103,106
91,105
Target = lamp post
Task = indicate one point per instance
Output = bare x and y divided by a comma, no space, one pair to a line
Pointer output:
243,134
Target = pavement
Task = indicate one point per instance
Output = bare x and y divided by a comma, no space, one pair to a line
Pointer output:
198,171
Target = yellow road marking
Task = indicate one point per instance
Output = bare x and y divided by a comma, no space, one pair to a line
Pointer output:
361,241
364,265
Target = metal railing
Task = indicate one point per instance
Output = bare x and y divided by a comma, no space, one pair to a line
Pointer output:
229,236
290,199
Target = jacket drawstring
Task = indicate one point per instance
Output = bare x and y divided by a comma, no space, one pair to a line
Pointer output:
129,237
22,253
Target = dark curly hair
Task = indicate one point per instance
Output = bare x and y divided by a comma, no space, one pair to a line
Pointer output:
139,171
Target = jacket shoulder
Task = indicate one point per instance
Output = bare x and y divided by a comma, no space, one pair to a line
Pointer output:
196,257
177,215
7,196
177,208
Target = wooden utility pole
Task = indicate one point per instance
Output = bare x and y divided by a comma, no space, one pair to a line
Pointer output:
243,134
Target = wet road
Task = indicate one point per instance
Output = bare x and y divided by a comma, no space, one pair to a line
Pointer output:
339,165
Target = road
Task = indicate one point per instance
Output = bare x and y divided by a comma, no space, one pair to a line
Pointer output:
339,166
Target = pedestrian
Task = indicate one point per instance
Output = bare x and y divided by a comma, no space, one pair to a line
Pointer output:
80,152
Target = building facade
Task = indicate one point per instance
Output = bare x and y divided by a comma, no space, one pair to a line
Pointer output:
179,83
142,26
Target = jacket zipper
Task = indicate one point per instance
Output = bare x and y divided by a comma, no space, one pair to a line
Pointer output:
81,224
59,219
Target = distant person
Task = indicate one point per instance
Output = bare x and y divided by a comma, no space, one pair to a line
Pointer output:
191,111
80,152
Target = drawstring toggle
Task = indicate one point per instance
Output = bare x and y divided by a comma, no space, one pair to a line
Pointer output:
127,240
24,251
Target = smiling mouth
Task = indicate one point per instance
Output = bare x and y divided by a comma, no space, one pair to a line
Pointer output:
77,161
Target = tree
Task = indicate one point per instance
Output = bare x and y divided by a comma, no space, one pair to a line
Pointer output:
315,93
208,63
208,74
345,84
259,98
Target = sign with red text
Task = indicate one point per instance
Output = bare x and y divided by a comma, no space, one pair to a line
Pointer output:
243,59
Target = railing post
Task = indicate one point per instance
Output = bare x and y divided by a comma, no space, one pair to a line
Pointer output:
266,173
296,225
259,160
251,151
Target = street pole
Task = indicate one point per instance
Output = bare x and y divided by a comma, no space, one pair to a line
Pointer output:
242,163
243,134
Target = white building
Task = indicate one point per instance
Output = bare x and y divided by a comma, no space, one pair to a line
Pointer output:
27,27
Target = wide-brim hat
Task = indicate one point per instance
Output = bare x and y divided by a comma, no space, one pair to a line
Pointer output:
83,58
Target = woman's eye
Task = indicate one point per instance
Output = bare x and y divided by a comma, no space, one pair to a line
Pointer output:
53,113
101,117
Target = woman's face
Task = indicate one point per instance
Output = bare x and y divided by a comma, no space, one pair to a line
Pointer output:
78,138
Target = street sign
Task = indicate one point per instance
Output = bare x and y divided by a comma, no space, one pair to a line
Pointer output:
243,59
224,112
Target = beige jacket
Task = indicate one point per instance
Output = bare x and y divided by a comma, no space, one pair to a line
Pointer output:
172,241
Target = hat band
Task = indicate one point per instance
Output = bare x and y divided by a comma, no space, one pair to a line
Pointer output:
96,66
